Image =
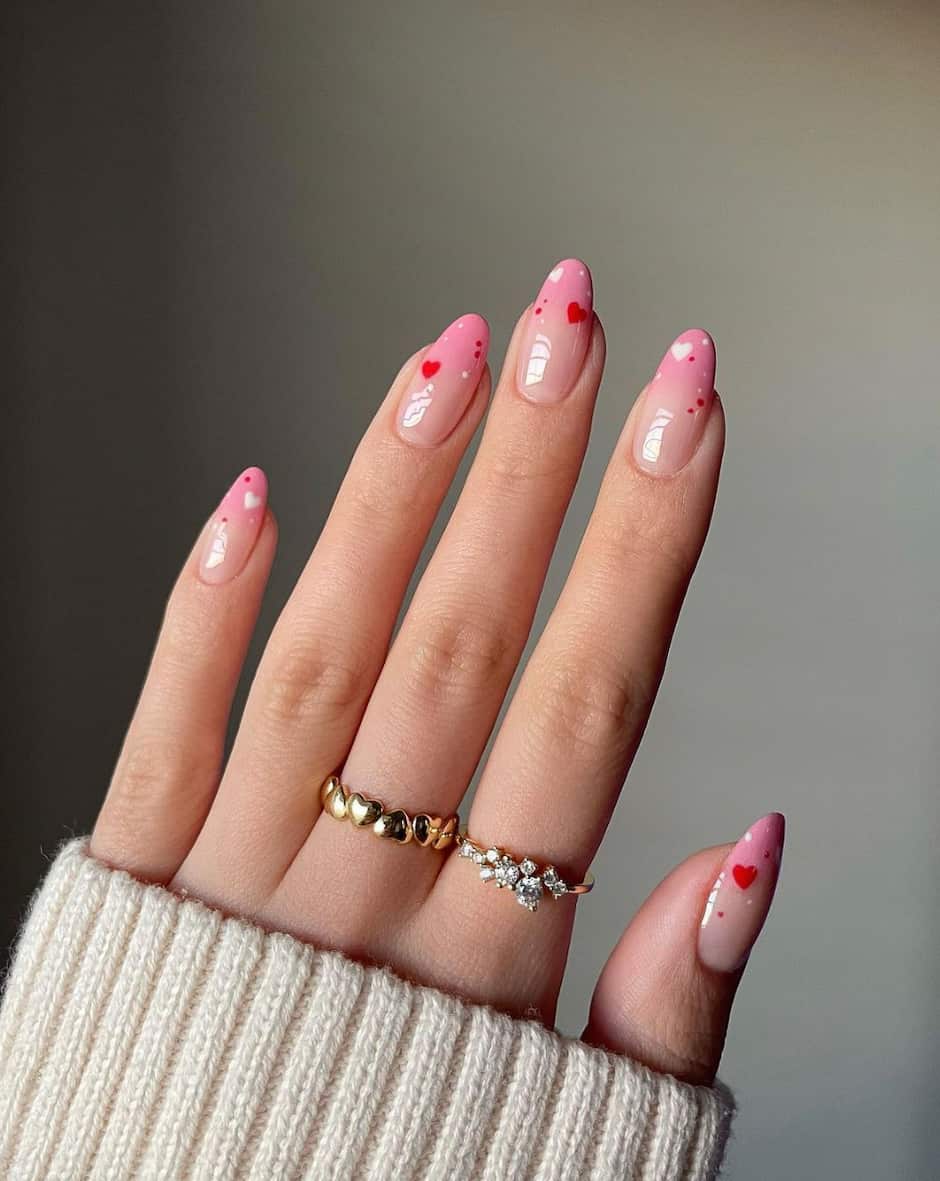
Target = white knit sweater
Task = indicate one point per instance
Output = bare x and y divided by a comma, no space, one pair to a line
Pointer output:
146,1036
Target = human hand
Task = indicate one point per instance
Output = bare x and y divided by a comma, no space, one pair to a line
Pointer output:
408,724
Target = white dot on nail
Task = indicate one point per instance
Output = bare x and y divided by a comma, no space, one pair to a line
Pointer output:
465,374
748,836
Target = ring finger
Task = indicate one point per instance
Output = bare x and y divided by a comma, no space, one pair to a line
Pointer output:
571,731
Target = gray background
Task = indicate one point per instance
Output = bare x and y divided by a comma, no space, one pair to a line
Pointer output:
226,223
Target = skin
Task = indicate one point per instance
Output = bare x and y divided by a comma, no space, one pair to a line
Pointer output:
332,691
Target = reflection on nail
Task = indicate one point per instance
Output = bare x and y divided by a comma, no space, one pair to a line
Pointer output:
539,356
653,442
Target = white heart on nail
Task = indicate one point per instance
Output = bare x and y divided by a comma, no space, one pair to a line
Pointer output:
679,351
252,501
556,274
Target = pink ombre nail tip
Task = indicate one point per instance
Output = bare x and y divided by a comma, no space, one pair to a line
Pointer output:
557,333
445,382
234,527
676,404
740,899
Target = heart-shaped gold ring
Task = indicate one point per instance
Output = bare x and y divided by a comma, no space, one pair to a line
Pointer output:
393,824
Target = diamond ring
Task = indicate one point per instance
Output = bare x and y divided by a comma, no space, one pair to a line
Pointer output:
523,877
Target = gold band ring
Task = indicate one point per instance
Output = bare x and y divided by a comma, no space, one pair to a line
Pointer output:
523,877
433,832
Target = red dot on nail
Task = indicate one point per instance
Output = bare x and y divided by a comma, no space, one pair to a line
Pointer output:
479,344
247,479
477,353
225,520
721,914
538,311
691,410
691,359
701,401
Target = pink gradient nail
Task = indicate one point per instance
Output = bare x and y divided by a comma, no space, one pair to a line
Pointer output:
675,406
557,333
740,898
446,379
234,527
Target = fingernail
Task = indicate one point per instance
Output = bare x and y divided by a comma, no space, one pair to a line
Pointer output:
676,405
445,382
557,333
234,527
741,897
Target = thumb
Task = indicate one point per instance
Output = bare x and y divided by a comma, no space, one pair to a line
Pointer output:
664,996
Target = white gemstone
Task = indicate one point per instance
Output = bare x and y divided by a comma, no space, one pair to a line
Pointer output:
528,867
478,857
492,856
554,882
486,873
529,892
507,872
466,850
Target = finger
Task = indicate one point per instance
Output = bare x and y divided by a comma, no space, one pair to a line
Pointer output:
168,769
665,995
462,636
461,639
560,759
327,648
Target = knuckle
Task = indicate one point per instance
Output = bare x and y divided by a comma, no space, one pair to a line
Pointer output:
644,539
582,704
313,683
155,776
518,465
460,655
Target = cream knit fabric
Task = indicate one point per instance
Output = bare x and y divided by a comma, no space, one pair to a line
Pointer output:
147,1036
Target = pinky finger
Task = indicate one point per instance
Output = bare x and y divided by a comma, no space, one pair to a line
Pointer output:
665,995
168,769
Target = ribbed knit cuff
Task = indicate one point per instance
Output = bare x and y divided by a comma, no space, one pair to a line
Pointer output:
145,1035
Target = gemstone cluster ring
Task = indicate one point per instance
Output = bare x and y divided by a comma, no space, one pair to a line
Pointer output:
523,877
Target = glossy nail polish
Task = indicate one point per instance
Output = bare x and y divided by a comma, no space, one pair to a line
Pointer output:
234,527
557,333
741,897
446,379
672,417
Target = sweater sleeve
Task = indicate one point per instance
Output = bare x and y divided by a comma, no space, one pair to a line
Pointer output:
143,1035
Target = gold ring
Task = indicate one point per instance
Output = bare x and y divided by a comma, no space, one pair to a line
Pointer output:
523,877
432,832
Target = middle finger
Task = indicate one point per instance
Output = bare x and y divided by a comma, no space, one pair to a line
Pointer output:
438,696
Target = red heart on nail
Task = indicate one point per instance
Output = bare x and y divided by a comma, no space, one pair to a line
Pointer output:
429,368
576,313
744,875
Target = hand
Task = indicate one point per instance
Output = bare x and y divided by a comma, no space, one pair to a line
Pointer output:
407,725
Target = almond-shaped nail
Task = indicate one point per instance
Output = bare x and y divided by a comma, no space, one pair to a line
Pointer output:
675,405
440,392
740,898
557,333
234,527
